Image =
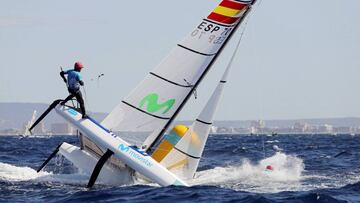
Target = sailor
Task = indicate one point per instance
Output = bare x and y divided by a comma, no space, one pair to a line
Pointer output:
74,81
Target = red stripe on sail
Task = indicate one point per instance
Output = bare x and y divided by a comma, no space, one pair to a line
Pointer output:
222,19
233,5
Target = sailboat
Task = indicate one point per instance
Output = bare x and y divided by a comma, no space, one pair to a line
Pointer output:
131,141
29,124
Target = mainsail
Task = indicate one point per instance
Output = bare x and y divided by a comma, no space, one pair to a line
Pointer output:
181,150
155,102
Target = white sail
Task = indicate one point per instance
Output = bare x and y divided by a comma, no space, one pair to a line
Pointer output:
155,102
29,123
181,150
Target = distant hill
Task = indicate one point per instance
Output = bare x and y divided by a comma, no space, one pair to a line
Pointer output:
14,115
335,122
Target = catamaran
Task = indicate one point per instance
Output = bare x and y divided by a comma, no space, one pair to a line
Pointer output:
131,142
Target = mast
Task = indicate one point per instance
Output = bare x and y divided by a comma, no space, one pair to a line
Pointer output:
162,132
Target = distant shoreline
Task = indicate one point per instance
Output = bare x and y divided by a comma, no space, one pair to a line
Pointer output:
14,116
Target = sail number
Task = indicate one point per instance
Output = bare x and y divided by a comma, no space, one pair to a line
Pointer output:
214,34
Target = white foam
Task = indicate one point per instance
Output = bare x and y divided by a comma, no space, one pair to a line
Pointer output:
272,141
13,173
277,148
253,177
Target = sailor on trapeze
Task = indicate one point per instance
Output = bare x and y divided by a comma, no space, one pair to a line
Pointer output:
74,80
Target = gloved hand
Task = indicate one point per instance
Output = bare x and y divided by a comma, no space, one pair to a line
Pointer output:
81,83
62,74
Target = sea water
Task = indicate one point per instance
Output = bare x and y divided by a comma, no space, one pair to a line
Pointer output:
306,168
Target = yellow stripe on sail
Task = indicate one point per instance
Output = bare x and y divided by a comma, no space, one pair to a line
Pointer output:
226,11
160,153
178,164
195,140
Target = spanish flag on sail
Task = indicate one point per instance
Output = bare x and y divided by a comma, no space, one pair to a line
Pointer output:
229,11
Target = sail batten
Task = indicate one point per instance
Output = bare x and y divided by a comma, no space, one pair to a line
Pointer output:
159,117
174,83
204,122
197,52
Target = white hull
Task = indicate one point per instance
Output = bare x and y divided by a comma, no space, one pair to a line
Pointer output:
85,162
129,155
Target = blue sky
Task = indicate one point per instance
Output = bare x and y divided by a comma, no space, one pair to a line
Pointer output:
298,59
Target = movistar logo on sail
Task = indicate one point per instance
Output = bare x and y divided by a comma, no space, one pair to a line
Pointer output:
152,105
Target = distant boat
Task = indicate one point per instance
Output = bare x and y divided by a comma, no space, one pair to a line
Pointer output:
29,124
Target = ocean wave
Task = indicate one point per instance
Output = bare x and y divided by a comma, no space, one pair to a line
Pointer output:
286,173
11,173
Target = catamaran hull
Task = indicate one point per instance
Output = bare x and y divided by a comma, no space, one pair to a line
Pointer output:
129,155
85,162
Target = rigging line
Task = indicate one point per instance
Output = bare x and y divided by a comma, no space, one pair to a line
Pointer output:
256,6
73,104
162,132
194,90
98,79
238,44
263,145
258,68
86,98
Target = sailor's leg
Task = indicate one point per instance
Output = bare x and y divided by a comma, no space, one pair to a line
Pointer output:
80,99
67,98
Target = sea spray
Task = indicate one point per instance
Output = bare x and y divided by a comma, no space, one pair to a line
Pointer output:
286,174
11,173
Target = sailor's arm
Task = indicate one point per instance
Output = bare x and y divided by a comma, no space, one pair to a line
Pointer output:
79,78
62,74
